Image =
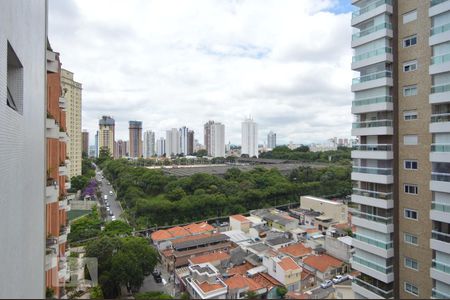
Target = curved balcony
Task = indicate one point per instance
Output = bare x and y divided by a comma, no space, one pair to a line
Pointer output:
440,123
440,182
438,7
372,33
440,212
371,10
440,64
373,222
381,103
371,174
373,198
435,294
372,127
440,93
383,273
369,290
439,34
440,153
383,54
377,247
373,151
440,241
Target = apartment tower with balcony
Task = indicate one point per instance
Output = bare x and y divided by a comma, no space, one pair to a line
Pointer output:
135,130
106,135
401,166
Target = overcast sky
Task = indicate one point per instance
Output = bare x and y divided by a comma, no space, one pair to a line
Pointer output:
171,63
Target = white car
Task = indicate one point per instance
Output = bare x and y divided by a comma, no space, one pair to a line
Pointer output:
326,284
110,192
113,218
107,208
340,278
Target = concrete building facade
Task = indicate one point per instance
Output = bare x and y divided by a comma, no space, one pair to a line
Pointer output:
106,134
172,142
135,130
85,145
249,141
271,140
207,136
160,147
149,144
72,93
217,138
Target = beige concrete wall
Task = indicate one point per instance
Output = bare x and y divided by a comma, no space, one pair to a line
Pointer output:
337,211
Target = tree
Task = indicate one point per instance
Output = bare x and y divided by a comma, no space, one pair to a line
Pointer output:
118,228
281,291
201,153
151,295
251,295
96,293
78,183
103,156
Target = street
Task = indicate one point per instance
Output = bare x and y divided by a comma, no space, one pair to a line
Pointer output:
106,189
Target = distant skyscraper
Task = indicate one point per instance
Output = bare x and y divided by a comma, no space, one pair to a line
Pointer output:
85,142
172,142
183,133
121,149
161,147
96,144
135,140
190,142
106,135
249,143
207,136
217,140
271,140
149,144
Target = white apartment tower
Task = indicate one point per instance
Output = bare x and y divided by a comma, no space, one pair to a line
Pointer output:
184,133
160,147
271,140
249,142
172,142
149,144
217,132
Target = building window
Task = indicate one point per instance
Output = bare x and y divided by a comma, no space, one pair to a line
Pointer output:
410,139
410,66
410,115
410,16
410,189
409,41
410,214
14,81
411,288
410,90
411,263
410,164
410,239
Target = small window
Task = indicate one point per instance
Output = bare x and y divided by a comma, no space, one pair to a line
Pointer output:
410,115
411,288
411,263
409,41
410,90
410,164
410,189
410,139
410,239
410,66
14,79
410,16
410,214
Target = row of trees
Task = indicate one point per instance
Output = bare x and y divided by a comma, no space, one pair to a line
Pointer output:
85,179
302,153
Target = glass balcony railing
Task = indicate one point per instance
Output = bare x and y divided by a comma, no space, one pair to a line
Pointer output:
440,147
376,267
371,170
372,76
440,176
440,29
370,30
440,236
440,266
441,88
436,2
370,241
438,118
373,147
372,53
439,295
385,294
370,7
375,100
372,194
444,207
440,59
373,123
374,218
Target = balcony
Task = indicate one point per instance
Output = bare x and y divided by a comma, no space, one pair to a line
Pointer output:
440,153
373,198
435,294
383,54
52,63
51,193
372,10
372,127
440,212
373,222
440,94
62,103
373,80
67,185
63,204
440,64
382,273
377,247
370,291
62,170
440,123
440,182
373,151
440,271
63,137
380,103
51,129
51,260
440,241
438,7
64,231
439,34
371,174
372,33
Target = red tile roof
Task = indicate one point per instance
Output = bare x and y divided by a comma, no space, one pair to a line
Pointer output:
195,228
161,235
167,253
209,287
240,218
241,269
322,262
266,280
240,282
194,237
178,231
288,264
216,256
296,250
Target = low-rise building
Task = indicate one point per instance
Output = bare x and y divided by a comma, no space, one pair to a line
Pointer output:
239,286
296,251
285,270
217,259
204,282
324,266
332,212
162,239
276,219
239,222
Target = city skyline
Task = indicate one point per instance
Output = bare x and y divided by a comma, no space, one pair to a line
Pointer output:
279,68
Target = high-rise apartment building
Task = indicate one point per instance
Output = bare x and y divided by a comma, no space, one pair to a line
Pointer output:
160,147
190,142
23,89
58,176
207,136
96,144
121,149
401,167
172,142
217,140
85,138
249,143
106,134
72,93
183,133
149,144
271,140
135,140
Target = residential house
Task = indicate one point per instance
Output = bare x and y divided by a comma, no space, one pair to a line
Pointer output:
204,282
217,259
324,266
239,285
239,222
332,212
296,251
285,270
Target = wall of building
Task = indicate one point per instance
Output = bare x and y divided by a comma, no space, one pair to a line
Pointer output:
337,211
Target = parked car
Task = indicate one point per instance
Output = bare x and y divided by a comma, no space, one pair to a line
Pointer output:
108,209
111,213
113,218
340,278
105,197
326,284
107,204
110,192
